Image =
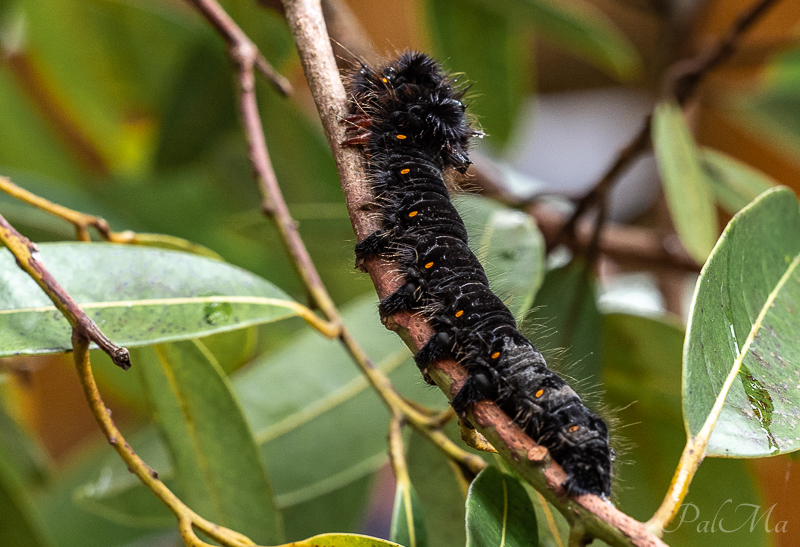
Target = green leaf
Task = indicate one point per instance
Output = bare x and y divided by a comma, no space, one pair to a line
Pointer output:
499,512
494,54
641,376
137,296
566,318
439,490
734,183
408,523
343,540
686,186
217,463
742,345
21,524
578,27
510,247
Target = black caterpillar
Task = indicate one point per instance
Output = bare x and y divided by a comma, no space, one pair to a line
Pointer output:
409,116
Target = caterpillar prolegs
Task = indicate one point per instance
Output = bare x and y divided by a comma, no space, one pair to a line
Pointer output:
408,115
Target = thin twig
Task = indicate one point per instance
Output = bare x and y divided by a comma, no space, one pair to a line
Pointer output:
81,221
630,245
602,520
681,81
186,517
27,256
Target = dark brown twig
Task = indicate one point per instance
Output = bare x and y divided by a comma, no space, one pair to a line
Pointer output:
681,81
625,244
27,256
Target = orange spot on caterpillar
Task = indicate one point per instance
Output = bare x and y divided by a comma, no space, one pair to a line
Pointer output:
539,393
428,265
495,355
413,213
405,171
574,428
401,137
384,80
459,313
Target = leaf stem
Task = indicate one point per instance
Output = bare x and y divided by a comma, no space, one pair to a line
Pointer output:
186,517
82,222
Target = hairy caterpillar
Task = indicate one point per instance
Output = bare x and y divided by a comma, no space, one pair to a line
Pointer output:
409,117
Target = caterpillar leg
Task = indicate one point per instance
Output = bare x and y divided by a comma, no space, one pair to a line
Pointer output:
373,244
437,347
477,387
403,299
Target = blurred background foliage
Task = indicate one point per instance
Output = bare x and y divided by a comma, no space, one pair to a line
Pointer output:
126,109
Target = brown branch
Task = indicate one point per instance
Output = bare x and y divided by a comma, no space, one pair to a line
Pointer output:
681,81
599,518
628,245
27,256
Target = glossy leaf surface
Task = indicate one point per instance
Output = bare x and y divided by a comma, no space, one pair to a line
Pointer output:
137,296
499,512
342,540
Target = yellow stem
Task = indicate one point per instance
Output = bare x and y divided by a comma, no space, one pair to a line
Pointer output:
81,221
186,517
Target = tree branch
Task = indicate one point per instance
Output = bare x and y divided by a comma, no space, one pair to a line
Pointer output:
235,37
600,518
